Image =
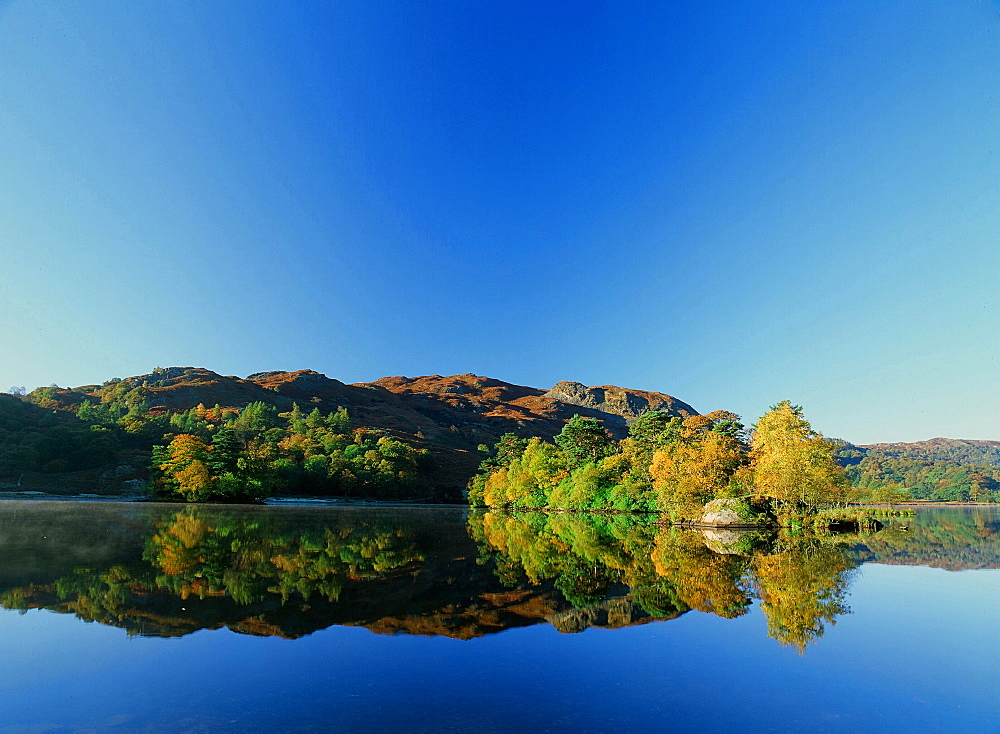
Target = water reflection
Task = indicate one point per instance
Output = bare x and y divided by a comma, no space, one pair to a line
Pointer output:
801,582
169,570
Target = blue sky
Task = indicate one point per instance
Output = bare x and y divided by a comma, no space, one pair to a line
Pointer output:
734,203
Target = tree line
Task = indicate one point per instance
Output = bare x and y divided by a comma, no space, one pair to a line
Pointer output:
874,472
257,452
201,453
668,465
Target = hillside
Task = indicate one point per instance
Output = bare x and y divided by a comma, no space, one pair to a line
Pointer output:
450,416
940,469
960,450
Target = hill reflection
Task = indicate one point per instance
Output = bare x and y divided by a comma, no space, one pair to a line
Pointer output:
167,570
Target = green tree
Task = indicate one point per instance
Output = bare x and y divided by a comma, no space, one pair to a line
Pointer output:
339,422
584,440
654,429
254,419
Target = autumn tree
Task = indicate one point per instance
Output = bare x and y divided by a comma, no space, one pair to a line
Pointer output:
694,470
184,468
529,479
792,464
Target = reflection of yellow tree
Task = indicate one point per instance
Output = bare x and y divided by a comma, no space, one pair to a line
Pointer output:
179,542
702,579
215,554
802,590
524,542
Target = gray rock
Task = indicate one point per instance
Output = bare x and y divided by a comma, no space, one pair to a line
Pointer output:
619,401
726,512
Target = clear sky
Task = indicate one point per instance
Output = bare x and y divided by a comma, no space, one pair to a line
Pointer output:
732,202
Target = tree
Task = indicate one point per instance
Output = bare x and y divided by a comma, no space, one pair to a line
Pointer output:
584,440
339,422
510,446
727,423
226,449
654,429
530,478
695,470
890,494
253,419
184,467
792,464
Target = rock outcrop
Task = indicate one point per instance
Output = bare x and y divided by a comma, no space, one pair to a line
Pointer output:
622,402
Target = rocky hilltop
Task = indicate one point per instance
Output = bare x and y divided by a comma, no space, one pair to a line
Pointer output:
617,401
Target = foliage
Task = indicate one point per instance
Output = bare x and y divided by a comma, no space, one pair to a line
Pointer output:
35,439
206,453
666,464
583,441
870,470
194,553
258,453
802,589
695,469
792,464
232,559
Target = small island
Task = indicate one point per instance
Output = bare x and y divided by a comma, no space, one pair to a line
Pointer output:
700,470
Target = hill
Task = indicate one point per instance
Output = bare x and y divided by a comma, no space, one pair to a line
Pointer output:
942,469
450,416
959,450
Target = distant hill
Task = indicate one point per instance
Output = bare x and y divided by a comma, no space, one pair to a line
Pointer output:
452,416
960,450
947,469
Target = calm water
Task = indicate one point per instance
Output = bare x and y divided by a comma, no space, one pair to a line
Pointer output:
125,617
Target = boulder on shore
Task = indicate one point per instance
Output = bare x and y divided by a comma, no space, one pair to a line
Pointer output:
731,512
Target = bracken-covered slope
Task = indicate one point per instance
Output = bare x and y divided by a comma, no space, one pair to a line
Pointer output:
450,415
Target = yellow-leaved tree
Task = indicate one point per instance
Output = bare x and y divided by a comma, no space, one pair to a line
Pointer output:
695,469
792,463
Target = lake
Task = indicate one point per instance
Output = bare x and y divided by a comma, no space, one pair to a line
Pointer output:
151,617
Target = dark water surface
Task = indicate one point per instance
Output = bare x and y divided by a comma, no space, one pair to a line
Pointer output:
133,617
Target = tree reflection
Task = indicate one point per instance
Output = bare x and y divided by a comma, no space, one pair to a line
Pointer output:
225,559
275,572
703,580
214,553
802,589
801,583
